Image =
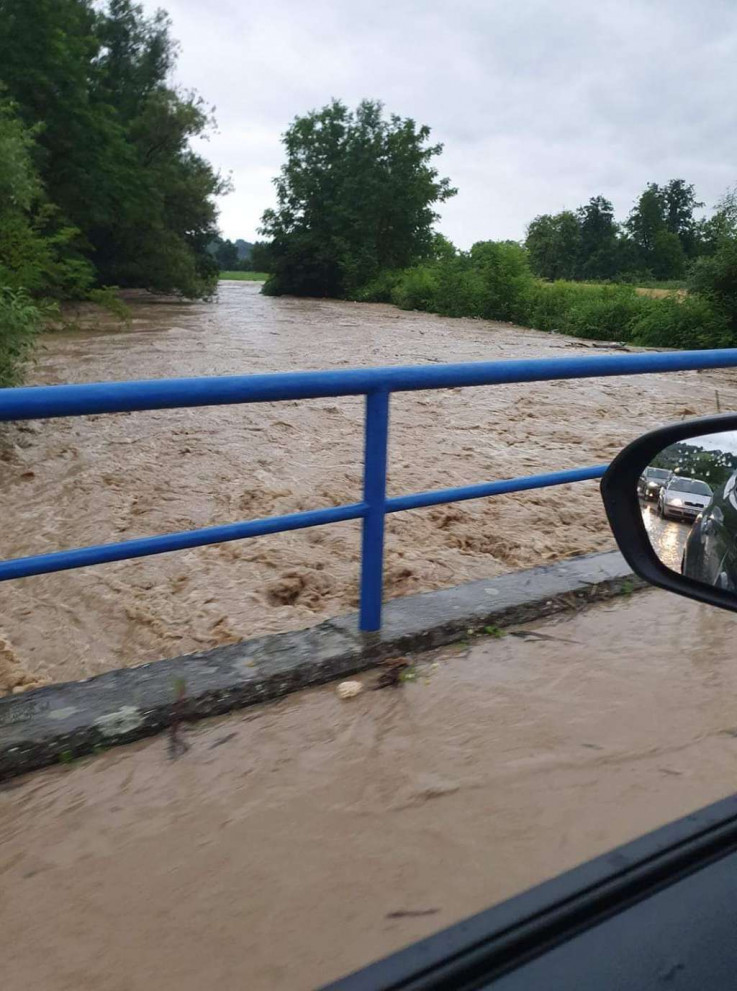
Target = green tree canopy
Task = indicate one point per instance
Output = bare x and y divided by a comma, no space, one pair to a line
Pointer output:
714,277
554,245
598,244
680,202
113,137
659,239
355,196
663,228
722,225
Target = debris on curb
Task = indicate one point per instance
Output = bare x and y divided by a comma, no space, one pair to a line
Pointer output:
349,689
395,672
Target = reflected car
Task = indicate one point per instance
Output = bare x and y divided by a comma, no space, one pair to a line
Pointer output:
710,555
651,482
683,498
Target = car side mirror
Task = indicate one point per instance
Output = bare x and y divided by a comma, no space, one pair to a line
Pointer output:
671,500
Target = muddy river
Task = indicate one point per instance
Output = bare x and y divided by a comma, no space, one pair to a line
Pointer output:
294,842
66,483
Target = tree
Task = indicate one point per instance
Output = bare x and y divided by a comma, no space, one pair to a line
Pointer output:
355,196
136,56
554,245
261,259
244,250
114,137
680,202
667,259
715,279
28,257
226,255
663,228
721,226
647,219
38,252
598,241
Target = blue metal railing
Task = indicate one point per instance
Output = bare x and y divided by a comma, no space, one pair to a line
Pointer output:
376,384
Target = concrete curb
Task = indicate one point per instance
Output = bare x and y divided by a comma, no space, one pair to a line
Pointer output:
48,724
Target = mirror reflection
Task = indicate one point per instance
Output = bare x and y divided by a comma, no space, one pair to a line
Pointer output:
689,507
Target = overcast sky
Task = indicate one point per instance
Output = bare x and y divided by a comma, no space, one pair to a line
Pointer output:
716,442
540,105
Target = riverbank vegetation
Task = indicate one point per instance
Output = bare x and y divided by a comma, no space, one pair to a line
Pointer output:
493,281
355,220
99,185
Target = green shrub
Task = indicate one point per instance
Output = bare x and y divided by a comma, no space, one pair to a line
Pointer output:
604,313
378,290
692,322
492,281
460,290
502,269
548,304
416,290
20,320
714,279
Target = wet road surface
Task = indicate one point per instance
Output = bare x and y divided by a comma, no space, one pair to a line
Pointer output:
297,841
88,480
668,537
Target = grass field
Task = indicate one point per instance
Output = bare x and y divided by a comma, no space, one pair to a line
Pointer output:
245,276
664,284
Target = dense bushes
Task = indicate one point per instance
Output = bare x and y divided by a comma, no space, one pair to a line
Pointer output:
715,280
493,281
20,319
672,322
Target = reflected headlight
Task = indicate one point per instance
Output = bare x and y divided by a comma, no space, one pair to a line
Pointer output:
676,502
652,485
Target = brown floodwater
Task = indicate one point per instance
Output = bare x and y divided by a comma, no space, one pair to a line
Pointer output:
70,482
297,841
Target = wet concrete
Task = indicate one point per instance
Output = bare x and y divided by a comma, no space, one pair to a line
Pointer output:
296,841
38,727
71,482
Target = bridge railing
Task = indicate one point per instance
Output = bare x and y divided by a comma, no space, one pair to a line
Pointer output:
377,385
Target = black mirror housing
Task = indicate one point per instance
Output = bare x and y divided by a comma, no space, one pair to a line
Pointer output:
619,490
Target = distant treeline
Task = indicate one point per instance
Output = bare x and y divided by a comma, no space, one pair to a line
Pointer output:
240,255
99,185
693,461
659,240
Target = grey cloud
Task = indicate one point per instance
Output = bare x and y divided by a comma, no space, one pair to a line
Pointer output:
539,105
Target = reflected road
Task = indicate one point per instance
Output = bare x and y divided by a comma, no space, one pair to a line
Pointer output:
668,537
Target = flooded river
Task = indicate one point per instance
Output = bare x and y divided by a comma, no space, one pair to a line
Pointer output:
296,841
87,480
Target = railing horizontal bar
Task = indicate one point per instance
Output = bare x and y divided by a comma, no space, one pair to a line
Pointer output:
145,546
117,397
419,500
39,564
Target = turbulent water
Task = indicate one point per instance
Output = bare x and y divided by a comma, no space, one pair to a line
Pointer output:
70,482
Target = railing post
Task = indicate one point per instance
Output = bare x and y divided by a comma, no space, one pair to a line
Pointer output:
374,495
